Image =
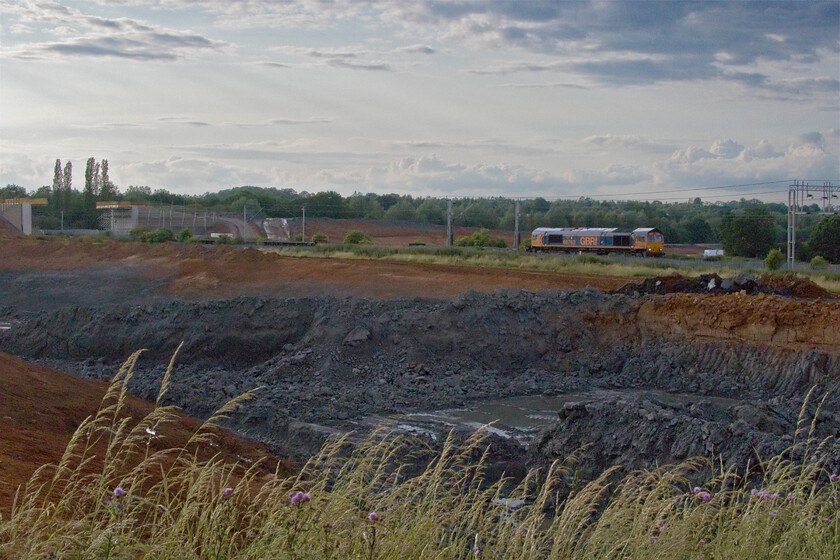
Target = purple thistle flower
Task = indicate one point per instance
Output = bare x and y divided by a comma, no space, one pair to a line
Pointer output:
227,493
702,541
774,497
753,491
705,496
697,489
833,476
372,516
305,497
791,496
119,492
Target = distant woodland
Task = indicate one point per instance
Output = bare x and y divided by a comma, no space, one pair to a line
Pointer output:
744,227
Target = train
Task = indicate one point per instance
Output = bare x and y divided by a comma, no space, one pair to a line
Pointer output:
647,242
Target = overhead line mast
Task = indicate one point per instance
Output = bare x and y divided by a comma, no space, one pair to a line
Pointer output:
800,194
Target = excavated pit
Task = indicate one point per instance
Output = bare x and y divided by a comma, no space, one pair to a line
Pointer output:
644,379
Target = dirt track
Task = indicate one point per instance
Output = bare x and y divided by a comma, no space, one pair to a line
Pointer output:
221,271
336,342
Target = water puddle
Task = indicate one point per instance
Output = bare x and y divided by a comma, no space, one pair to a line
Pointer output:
522,418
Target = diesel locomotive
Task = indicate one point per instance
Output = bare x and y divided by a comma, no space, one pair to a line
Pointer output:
641,241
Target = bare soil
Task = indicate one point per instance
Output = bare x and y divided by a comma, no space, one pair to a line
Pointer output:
40,408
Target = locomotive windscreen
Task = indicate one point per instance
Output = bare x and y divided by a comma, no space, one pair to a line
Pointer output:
555,239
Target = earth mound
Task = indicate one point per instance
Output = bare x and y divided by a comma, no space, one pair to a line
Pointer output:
787,284
41,408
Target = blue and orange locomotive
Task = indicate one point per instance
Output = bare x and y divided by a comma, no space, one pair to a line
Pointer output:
640,241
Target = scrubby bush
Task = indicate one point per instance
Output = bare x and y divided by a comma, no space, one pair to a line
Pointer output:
356,237
160,235
480,238
138,233
774,259
185,235
818,262
319,238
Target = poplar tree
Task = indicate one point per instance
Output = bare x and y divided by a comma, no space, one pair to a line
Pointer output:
58,178
66,185
107,190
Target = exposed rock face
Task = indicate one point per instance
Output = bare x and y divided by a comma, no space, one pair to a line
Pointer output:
636,431
763,319
329,361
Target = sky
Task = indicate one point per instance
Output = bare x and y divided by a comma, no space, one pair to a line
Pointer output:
613,99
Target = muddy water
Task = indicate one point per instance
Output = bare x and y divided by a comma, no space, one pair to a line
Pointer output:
522,418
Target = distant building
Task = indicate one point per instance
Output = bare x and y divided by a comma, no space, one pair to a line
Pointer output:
118,217
17,212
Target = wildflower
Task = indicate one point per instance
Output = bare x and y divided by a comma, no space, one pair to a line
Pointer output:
774,497
705,496
227,492
702,541
753,491
118,492
791,496
833,476
300,497
653,539
151,432
774,511
372,516
697,489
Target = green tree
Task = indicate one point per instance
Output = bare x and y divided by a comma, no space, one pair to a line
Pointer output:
774,259
750,234
403,211
107,189
481,238
697,229
356,237
90,193
432,211
825,239
12,191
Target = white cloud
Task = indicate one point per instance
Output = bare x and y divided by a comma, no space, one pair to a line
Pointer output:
78,34
726,149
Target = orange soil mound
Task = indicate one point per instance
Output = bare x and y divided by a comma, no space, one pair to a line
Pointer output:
797,286
40,408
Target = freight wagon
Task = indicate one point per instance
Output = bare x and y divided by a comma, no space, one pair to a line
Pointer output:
641,241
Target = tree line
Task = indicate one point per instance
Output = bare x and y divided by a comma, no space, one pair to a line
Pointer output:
745,227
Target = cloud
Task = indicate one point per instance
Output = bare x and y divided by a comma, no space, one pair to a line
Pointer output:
726,149
417,49
629,142
375,66
189,175
183,120
80,35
